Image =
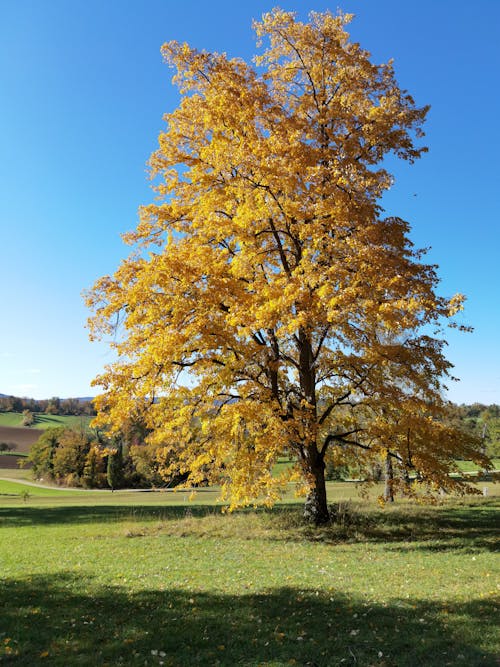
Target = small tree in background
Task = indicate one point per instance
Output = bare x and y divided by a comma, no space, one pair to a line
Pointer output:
53,406
28,418
42,452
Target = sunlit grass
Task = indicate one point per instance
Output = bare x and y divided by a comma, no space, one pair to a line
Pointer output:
12,490
469,466
21,474
43,421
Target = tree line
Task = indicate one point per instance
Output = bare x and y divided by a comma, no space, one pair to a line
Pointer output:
483,421
91,458
50,406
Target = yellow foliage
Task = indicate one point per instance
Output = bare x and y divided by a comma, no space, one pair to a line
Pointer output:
266,270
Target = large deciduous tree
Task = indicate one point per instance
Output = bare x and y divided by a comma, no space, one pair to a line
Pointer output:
307,320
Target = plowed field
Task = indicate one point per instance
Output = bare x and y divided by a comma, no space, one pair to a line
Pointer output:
23,438
12,462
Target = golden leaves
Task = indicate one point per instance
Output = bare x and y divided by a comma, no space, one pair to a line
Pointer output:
266,272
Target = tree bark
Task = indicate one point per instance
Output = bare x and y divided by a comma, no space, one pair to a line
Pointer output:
389,478
316,506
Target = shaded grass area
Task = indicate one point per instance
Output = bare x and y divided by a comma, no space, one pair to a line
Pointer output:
55,620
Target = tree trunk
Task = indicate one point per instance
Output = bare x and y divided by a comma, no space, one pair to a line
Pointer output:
316,506
389,478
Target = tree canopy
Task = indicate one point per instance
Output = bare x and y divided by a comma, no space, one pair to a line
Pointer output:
310,325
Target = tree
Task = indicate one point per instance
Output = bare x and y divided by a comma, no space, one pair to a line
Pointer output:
71,455
266,269
115,467
42,452
69,406
489,427
53,406
28,418
94,469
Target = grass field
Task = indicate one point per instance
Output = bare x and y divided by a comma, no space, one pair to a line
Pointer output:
19,489
101,578
469,467
43,421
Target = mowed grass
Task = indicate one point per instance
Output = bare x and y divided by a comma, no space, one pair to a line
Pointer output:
149,579
13,490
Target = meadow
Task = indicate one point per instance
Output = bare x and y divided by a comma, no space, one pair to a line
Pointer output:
150,578
43,421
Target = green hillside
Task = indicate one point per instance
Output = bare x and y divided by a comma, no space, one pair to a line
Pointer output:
43,421
11,419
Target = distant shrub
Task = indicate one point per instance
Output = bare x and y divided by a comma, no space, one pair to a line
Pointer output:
28,418
336,472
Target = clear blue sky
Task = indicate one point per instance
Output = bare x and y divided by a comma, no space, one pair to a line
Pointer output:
82,93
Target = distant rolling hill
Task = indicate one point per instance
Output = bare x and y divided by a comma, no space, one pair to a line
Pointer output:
12,431
43,421
22,438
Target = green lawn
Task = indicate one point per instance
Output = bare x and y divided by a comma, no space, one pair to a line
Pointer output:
95,578
12,490
469,467
43,421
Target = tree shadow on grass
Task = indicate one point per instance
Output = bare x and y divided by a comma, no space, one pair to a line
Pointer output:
75,514
460,528
429,528
435,529
66,620
438,528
